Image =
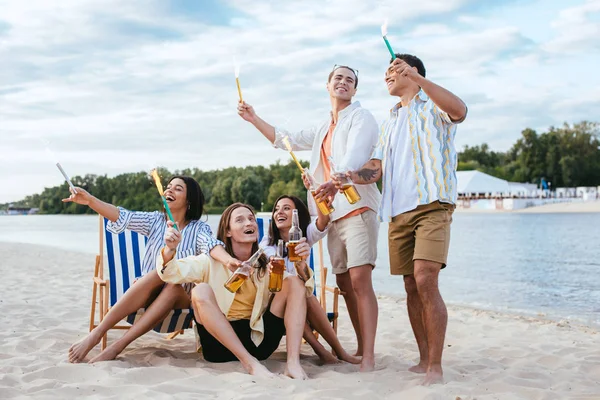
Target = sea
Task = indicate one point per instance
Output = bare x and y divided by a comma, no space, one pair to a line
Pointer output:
540,265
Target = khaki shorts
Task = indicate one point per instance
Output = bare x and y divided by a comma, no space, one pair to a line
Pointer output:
352,242
420,234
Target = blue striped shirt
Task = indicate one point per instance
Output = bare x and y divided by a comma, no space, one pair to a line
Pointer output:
196,237
427,134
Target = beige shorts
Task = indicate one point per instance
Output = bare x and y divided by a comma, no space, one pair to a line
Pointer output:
420,234
352,242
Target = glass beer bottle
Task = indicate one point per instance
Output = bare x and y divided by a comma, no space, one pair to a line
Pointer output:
348,187
295,235
241,274
277,268
323,205
350,190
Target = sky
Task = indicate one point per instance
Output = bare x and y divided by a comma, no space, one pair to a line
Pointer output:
114,86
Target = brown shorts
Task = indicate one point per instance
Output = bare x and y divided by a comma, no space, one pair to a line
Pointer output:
420,234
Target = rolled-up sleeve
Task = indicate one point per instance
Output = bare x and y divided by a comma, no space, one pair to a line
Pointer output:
137,221
362,139
205,241
193,269
302,140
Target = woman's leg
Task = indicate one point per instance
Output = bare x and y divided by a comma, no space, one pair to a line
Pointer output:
325,357
319,322
171,297
138,295
208,313
290,304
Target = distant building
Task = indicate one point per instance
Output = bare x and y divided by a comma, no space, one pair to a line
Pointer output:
16,210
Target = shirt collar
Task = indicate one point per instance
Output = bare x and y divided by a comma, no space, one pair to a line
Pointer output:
346,110
421,96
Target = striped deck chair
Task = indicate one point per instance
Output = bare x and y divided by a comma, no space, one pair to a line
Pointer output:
263,227
123,254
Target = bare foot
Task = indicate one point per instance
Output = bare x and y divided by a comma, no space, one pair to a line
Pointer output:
79,350
110,353
434,375
350,359
358,352
328,358
420,368
367,365
257,369
295,371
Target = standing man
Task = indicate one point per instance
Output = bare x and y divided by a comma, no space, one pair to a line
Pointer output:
417,159
348,137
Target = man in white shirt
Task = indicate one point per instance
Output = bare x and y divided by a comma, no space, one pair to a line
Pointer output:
417,159
348,136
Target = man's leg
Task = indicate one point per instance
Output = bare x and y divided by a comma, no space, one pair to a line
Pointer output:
415,315
344,282
367,313
435,316
290,304
208,313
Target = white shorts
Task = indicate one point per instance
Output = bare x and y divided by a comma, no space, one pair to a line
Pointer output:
352,242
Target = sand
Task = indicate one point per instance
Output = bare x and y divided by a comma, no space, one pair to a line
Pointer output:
44,308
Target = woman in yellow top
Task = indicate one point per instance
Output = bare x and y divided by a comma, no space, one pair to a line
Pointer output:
249,324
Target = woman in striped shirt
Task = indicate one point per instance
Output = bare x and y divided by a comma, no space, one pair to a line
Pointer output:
186,201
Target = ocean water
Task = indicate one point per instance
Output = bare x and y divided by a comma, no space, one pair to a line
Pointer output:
532,264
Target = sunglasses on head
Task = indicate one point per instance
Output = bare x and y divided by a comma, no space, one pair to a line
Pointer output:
337,66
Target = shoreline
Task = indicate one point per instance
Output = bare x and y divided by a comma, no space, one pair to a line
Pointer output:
556,208
458,306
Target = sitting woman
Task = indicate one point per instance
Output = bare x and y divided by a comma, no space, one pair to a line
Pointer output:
186,202
249,324
312,232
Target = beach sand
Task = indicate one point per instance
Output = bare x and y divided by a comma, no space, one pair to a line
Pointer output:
45,303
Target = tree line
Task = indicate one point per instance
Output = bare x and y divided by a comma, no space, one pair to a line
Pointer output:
566,156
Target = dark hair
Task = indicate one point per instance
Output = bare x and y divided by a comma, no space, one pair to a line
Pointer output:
222,234
303,219
413,61
343,66
195,197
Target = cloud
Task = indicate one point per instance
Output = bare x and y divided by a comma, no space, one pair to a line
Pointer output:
124,86
577,29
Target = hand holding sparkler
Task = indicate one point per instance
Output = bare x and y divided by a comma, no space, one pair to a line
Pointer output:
79,196
154,175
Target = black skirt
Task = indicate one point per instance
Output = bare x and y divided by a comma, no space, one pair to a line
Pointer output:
214,351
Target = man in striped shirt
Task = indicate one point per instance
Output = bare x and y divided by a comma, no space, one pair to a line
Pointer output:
417,159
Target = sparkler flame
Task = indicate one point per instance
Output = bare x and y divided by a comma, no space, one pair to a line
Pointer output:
384,28
159,186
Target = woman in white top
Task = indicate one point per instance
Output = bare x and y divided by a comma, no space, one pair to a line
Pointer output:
312,232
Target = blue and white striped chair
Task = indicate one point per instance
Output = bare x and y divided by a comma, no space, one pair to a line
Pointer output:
263,227
123,254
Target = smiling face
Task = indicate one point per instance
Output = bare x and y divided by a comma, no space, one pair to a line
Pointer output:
341,85
282,214
242,226
396,83
176,194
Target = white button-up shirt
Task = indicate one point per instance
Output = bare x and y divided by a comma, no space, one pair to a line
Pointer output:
353,141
